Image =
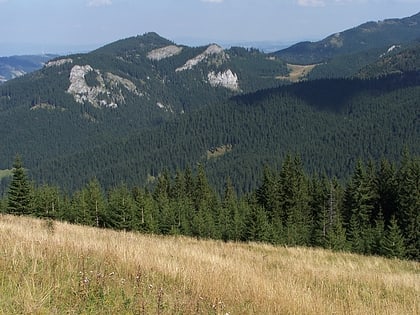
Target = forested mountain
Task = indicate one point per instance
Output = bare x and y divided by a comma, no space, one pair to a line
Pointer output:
363,38
81,101
157,125
330,123
16,66
133,108
398,60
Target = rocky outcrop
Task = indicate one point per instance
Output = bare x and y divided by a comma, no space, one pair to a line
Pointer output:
166,108
211,50
226,79
107,93
164,52
59,62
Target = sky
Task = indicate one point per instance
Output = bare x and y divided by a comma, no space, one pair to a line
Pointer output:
66,26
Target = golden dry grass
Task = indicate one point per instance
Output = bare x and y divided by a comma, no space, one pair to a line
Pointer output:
297,72
57,268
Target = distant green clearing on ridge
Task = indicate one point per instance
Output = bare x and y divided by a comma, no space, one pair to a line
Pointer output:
5,173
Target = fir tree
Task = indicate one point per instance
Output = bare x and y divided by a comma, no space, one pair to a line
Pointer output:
408,214
358,205
393,243
19,194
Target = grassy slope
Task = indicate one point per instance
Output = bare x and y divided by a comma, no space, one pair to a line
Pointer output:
5,173
54,268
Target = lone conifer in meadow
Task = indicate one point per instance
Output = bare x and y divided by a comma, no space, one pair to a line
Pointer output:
19,190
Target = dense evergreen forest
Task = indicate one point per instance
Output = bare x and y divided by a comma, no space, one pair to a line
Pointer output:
327,122
375,212
176,119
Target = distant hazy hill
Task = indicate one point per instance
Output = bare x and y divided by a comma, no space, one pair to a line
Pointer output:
368,36
15,66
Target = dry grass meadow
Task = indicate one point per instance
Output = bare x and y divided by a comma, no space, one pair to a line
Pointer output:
56,268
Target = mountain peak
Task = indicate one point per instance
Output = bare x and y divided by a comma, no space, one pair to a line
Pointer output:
141,43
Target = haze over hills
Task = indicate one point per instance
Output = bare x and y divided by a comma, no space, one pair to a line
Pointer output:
146,104
16,66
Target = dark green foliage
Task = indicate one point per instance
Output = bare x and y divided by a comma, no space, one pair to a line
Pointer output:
398,60
122,212
393,242
359,202
288,208
48,202
408,214
19,193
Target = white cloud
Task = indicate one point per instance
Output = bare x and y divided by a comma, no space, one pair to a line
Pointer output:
98,3
311,3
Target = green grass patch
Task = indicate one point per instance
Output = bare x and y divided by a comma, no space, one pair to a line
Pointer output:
5,173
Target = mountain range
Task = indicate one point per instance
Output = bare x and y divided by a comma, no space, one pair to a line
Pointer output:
16,66
131,109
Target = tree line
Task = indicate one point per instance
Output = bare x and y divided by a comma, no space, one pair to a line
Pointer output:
375,212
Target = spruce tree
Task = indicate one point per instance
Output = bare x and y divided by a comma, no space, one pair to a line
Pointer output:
47,202
408,214
393,243
122,209
360,198
19,193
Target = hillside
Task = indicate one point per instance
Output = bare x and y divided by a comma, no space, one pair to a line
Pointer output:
329,123
131,109
137,83
368,36
52,267
396,60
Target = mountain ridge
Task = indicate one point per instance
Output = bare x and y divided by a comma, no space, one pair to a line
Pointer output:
135,107
369,35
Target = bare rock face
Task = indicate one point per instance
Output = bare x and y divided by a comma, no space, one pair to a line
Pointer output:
226,79
211,50
106,94
164,52
78,86
166,108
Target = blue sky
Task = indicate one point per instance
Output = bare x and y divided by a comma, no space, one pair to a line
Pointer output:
36,26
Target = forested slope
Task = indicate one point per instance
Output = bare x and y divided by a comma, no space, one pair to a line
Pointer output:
365,37
329,123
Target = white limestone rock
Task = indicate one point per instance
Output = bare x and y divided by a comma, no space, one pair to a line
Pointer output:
59,62
211,50
78,86
166,108
164,52
108,85
226,79
115,80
